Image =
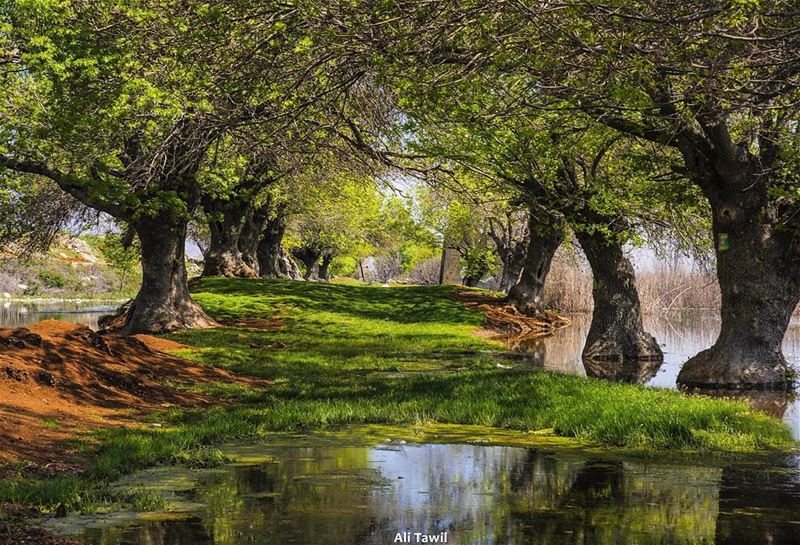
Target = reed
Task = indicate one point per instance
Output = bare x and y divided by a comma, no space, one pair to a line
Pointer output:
663,285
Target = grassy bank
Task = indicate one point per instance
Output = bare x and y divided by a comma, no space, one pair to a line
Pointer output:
352,354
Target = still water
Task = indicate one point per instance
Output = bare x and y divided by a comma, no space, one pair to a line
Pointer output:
331,495
681,336
19,314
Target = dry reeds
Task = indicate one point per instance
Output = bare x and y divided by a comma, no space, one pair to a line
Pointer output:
663,285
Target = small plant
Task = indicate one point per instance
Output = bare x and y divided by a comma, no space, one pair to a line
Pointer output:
51,424
143,501
51,279
201,458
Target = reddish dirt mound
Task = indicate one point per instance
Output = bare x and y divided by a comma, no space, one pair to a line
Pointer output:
505,319
59,379
162,345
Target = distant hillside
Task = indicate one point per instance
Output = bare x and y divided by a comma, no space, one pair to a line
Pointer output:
72,267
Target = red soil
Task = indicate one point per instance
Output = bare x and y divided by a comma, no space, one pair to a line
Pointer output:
58,380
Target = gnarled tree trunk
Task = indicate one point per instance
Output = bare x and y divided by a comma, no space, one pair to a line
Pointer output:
616,332
250,236
163,302
759,278
270,255
527,295
309,258
224,257
513,264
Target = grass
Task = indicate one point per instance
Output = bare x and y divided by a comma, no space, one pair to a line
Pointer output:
353,355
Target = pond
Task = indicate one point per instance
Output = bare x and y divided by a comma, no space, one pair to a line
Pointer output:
395,492
681,336
21,313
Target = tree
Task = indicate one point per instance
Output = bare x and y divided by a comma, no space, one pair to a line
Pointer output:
336,220
122,254
119,104
567,174
461,222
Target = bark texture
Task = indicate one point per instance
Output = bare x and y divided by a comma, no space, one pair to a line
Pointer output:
309,257
163,302
510,237
527,295
271,257
224,256
250,236
513,265
760,289
616,332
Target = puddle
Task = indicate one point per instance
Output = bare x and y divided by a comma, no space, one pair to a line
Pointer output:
333,490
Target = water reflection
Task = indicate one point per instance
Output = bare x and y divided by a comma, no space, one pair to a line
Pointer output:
630,371
18,314
681,335
477,494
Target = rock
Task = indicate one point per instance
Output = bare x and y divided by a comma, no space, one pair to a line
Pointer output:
15,374
46,378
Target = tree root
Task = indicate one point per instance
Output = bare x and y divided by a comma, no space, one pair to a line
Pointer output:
504,318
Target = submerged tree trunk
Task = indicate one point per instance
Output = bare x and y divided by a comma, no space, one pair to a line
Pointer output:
163,302
224,256
527,295
616,332
759,280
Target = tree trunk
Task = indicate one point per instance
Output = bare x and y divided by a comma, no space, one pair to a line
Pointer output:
269,249
310,266
309,258
616,332
224,257
324,274
250,236
163,302
760,287
527,295
288,268
513,265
